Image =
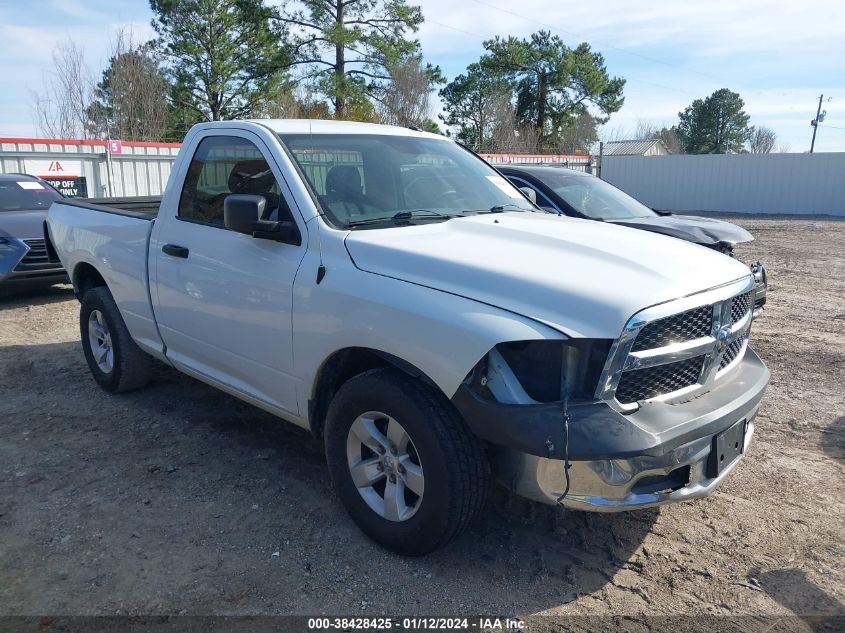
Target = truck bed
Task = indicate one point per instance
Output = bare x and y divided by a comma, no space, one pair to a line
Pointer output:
142,207
112,237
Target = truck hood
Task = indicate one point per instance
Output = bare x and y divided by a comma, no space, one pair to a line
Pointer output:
581,277
692,228
23,225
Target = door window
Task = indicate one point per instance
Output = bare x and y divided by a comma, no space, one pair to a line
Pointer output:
224,165
542,200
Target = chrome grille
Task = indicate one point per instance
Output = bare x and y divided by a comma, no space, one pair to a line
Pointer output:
740,306
686,326
676,349
642,384
732,351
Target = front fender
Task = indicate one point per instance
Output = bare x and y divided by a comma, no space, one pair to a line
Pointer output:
441,334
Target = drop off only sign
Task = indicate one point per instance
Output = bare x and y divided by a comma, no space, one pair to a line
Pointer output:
64,175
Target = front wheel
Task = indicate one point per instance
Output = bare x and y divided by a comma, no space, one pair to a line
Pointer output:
114,359
404,464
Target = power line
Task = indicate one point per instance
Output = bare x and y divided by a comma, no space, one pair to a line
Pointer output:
627,79
603,44
454,28
626,51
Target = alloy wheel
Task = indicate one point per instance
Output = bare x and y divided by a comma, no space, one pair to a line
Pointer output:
385,466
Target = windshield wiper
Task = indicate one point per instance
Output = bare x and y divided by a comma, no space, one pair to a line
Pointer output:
498,208
399,217
419,213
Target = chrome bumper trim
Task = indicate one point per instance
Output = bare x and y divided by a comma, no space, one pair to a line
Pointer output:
761,287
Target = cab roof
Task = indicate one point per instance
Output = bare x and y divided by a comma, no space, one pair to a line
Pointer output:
322,126
540,170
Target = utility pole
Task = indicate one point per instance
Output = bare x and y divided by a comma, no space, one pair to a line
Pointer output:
815,122
108,157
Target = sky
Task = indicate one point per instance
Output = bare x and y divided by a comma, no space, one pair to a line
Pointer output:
778,55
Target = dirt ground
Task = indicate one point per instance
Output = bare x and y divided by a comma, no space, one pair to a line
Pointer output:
178,499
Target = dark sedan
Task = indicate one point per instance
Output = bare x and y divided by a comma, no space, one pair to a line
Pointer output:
24,201
582,195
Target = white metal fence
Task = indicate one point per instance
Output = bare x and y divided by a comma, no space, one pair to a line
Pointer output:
742,183
572,161
130,169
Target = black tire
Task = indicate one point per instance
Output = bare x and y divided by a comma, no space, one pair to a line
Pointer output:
455,466
131,366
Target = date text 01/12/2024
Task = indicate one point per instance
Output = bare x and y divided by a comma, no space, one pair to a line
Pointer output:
417,624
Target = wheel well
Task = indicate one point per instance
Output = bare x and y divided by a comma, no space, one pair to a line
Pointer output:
343,365
85,277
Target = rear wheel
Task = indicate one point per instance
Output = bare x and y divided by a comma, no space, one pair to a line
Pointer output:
114,359
407,469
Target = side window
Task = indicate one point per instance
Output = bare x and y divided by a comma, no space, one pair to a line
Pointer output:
223,165
542,200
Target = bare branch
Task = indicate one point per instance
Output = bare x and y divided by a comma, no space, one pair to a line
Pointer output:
61,107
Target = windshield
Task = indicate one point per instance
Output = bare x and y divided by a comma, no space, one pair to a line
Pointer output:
595,198
369,178
25,195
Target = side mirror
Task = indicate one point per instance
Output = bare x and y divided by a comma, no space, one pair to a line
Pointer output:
529,193
242,213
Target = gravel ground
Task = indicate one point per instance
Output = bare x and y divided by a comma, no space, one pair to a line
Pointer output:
179,499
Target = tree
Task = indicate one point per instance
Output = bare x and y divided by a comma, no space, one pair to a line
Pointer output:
715,125
61,108
507,133
649,131
471,102
579,137
224,57
406,99
296,100
761,140
349,47
131,99
555,85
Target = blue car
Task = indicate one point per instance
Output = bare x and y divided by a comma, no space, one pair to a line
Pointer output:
24,261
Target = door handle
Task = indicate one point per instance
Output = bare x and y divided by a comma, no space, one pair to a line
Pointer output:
175,251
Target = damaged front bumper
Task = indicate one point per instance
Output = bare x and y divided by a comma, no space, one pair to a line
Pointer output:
661,453
613,485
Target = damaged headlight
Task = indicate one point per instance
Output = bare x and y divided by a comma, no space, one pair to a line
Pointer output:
531,372
11,252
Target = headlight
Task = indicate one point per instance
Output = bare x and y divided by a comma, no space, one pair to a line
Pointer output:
11,253
530,372
10,245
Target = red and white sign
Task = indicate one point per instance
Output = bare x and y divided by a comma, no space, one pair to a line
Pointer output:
58,168
115,147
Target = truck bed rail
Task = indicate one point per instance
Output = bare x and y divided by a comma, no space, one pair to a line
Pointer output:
142,207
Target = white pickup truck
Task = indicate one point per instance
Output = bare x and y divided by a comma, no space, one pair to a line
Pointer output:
390,291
